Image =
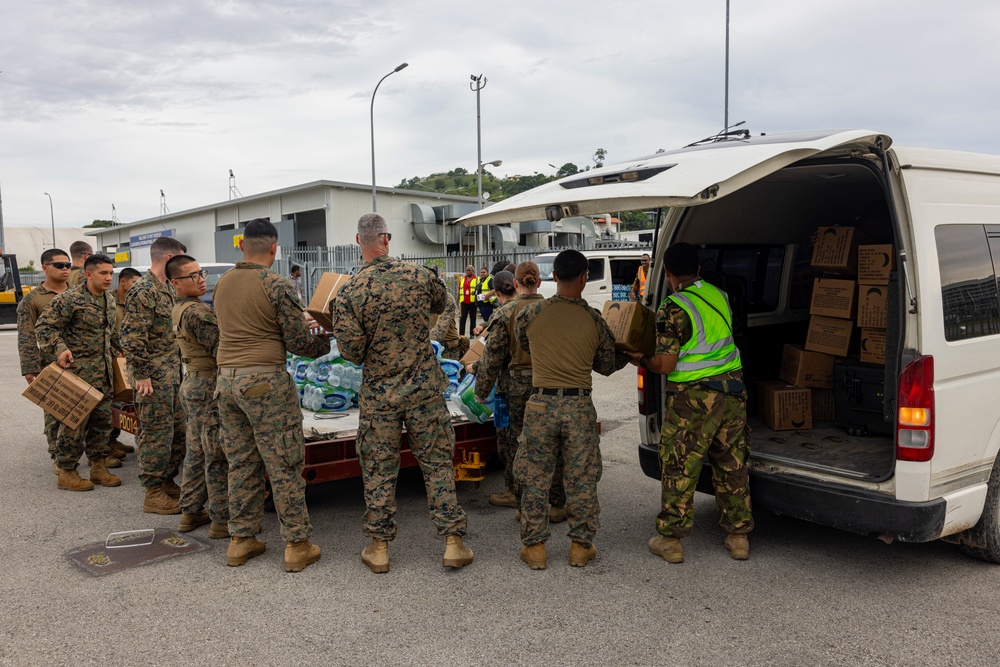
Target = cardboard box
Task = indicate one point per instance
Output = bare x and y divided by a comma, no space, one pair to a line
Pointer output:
784,407
327,288
805,368
829,335
823,404
833,298
475,352
122,387
875,262
63,395
873,306
633,324
836,250
873,346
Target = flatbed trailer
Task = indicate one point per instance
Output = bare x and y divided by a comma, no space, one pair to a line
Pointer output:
331,437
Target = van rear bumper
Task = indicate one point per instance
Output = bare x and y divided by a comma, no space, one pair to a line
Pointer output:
847,508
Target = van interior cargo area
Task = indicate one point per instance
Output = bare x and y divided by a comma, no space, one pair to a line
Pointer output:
745,240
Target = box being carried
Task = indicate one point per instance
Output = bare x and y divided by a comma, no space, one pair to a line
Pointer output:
63,395
327,288
475,352
804,368
122,387
874,263
836,250
832,298
784,407
633,325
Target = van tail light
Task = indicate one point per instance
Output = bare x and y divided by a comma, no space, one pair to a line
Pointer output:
644,403
915,416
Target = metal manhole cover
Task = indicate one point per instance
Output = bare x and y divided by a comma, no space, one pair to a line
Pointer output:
107,557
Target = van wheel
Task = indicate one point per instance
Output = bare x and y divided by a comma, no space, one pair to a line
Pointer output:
982,541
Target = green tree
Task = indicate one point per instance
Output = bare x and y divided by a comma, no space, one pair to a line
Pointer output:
30,268
567,169
102,224
599,155
634,220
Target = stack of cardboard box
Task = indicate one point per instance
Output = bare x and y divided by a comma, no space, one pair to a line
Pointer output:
874,264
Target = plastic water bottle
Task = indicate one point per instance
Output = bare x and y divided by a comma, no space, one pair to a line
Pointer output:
323,372
501,411
300,369
451,368
438,347
467,403
334,349
335,379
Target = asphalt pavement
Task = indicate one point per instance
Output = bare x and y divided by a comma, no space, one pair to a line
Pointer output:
809,595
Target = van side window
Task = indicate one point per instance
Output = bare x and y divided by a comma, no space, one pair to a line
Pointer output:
968,281
595,268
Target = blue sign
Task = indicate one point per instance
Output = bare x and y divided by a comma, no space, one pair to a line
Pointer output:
146,240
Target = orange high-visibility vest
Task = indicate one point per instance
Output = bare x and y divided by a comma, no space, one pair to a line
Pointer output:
642,282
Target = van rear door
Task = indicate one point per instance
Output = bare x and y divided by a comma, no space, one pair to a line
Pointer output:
685,177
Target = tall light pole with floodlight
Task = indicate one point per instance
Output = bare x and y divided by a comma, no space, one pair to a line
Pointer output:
478,83
372,120
52,216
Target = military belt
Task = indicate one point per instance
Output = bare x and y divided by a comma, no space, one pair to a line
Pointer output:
563,392
201,374
526,372
231,371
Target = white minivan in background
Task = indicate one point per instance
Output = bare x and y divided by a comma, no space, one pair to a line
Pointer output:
611,274
924,466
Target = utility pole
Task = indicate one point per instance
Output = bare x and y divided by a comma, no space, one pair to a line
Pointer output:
725,122
1,224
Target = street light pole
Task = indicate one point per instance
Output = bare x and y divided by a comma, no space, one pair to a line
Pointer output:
372,120
478,83
725,122
52,216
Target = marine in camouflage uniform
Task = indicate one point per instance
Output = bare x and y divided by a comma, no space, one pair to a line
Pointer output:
205,476
703,420
151,351
78,321
259,319
567,339
445,331
77,276
32,360
513,380
375,316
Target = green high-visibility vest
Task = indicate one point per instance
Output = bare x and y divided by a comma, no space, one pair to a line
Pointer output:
711,349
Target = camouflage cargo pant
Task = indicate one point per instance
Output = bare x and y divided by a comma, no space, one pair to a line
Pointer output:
554,424
91,437
260,425
507,444
161,438
458,351
700,423
51,431
432,442
205,476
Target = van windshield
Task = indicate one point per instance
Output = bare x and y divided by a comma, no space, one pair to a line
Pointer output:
544,267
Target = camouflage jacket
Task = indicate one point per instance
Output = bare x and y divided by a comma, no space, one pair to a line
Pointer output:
147,332
444,330
28,312
78,321
380,319
77,276
493,366
198,322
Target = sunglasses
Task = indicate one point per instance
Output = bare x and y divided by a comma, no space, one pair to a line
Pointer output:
387,235
60,265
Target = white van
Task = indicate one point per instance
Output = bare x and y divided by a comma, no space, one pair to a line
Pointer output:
611,274
213,271
924,467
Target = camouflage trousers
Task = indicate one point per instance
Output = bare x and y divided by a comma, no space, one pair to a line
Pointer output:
260,425
161,439
91,437
700,423
205,476
51,430
507,444
461,346
554,424
432,443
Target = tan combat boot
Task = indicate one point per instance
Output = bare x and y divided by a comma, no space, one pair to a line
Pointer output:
117,451
191,521
557,514
534,556
580,554
55,466
456,554
505,499
376,556
99,475
668,548
738,546
300,555
128,449
242,549
71,481
218,530
171,489
158,502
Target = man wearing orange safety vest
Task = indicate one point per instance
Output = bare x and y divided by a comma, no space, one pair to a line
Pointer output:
639,285
467,298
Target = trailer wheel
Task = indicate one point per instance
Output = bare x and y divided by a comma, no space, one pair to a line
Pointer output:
982,541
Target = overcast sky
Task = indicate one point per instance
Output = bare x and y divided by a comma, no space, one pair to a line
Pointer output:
107,102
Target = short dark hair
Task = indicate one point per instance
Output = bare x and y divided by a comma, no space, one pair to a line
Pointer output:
78,249
128,273
175,263
295,267
258,235
569,264
498,267
94,260
681,259
52,252
166,245
503,282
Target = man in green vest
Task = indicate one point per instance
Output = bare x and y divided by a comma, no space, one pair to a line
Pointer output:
704,410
